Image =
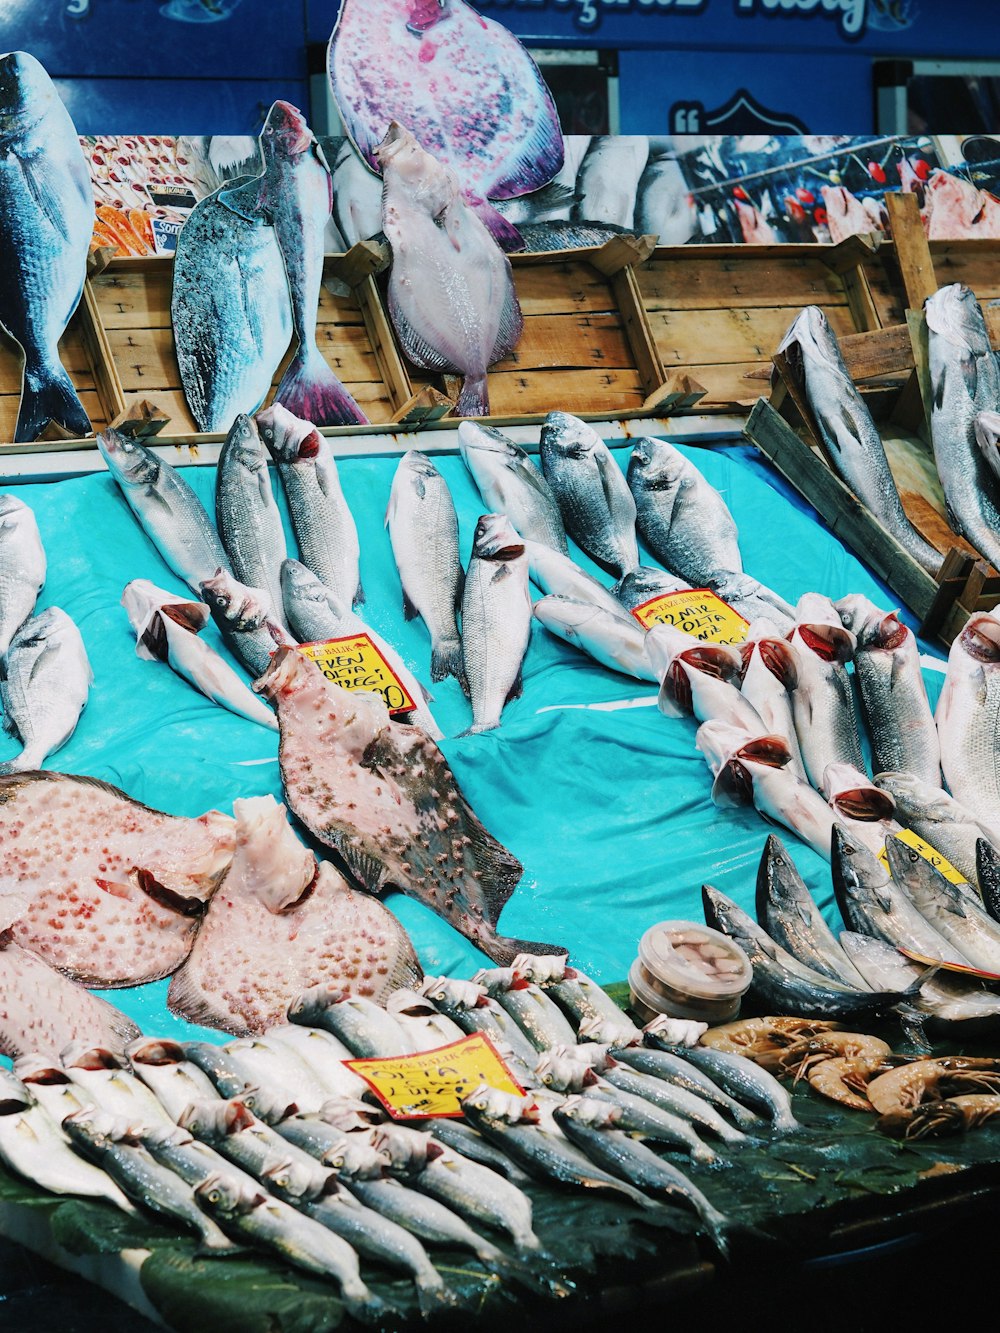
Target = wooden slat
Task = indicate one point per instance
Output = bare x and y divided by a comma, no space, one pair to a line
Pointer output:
392,370
563,288
912,252
708,281
570,341
882,352
622,252
371,397
846,255
133,299
973,262
687,337
95,340
860,301
608,392
641,339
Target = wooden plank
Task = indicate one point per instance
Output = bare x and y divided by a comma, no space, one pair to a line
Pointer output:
622,252
860,301
363,260
848,518
426,405
704,280
133,299
570,341
846,255
606,391
140,420
687,337
372,398
952,577
678,393
392,369
563,288
881,352
916,323
912,252
641,339
973,262
99,353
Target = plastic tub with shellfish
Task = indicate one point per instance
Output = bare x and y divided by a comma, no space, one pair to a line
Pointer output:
688,971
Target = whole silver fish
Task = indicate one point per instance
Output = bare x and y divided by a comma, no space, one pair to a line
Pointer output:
848,433
791,916
770,674
244,618
556,574
965,381
672,1067
873,904
468,1004
48,679
576,993
510,483
167,630
538,1016
423,1024
945,996
324,1054
606,636
46,222
229,1077
316,614
231,1128
752,599
745,1080
954,913
968,718
174,1080
423,531
22,566
939,819
272,1064
681,518
323,524
246,513
593,496
173,517
893,693
867,810
451,289
106,1082
822,701
496,620
364,1027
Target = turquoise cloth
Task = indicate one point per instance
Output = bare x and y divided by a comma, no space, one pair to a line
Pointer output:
607,807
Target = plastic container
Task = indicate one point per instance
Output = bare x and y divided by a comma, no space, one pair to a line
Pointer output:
688,971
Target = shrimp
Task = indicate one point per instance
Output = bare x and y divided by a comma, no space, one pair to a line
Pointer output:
905,1088
950,1115
837,1065
760,1038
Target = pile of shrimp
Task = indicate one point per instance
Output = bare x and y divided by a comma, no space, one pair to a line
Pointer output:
914,1098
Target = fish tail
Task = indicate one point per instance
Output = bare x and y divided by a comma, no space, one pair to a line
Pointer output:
474,400
310,390
48,395
435,1297
366,1307
503,232
446,660
504,949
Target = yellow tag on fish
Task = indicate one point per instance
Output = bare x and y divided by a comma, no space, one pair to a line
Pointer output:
433,1083
910,839
699,612
355,663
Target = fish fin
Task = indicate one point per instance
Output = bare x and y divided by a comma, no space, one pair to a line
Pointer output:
245,200
503,232
359,596
446,660
474,400
47,394
309,389
517,688
511,326
500,868
367,871
459,588
187,999
503,949
414,344
410,612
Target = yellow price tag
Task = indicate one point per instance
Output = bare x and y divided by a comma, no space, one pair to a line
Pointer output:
910,839
433,1083
355,663
699,612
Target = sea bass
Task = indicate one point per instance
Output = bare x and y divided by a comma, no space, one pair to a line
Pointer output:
246,513
464,85
510,483
593,496
848,433
316,615
423,531
46,222
281,923
22,566
939,819
130,879
294,196
606,636
230,311
822,702
48,679
965,381
968,718
172,516
323,524
245,621
496,620
167,630
382,795
451,289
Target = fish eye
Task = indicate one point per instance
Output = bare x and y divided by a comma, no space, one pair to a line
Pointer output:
547,1079
480,1105
338,1161
214,1196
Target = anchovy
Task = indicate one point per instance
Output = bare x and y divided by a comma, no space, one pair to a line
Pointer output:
822,702
676,1068
596,504
22,567
170,513
45,689
469,1005
247,515
957,915
244,619
939,819
538,1016
968,717
606,636
511,484
496,620
745,1080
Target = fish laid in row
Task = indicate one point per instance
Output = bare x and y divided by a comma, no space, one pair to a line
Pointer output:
496,620
510,483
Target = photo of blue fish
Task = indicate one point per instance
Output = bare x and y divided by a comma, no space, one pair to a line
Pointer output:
198,11
46,221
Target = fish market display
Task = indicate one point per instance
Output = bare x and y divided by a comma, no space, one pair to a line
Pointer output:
423,530
606,636
965,381
966,717
556,574
293,196
377,791
281,922
230,311
451,290
699,678
125,878
593,496
770,674
946,997
822,702
324,527
22,567
245,620
170,513
893,694
496,620
863,808
167,630
246,514
46,221
47,681
316,615
511,484
849,435
464,86
940,819
954,911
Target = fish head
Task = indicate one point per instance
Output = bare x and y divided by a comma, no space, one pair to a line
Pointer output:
910,794
128,461
37,1068
415,472
734,756
851,794
496,539
856,872
778,881
954,314
286,131
358,1156
589,1111
566,616
809,338
422,15
242,609
606,1031
166,1136
721,913
226,1197
40,634
217,1119
288,438
474,438
295,1182
656,465
411,164
778,656
665,645
244,445
313,1003
980,638
540,968
348,1114
15,1096
79,1055
492,1104
819,629
568,437
26,92
496,980
562,1073
451,992
155,1051
12,512
301,587
922,881
872,627
91,1129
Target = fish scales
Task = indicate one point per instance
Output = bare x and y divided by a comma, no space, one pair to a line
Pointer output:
22,567
510,483
46,686
496,620
246,513
594,499
968,718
